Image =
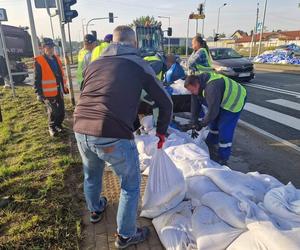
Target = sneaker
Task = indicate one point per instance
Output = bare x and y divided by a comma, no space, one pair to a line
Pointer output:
53,132
60,129
98,216
140,236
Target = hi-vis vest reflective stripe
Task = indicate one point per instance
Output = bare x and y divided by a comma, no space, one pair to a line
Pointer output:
97,51
234,94
49,84
200,68
150,59
80,59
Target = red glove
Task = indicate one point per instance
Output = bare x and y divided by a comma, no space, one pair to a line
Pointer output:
162,139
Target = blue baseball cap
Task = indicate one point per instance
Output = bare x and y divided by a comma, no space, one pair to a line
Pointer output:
48,42
108,38
89,39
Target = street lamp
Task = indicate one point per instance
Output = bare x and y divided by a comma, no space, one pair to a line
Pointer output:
218,24
169,40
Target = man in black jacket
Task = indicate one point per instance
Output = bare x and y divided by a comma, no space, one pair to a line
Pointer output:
104,124
50,86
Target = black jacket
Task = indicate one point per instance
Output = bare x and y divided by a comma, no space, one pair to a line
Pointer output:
110,97
38,77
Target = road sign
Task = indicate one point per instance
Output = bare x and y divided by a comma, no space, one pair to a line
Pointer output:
196,16
39,4
3,16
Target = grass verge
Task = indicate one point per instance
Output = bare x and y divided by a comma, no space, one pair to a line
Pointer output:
40,177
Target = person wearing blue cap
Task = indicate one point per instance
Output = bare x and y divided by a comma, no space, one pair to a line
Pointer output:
84,56
100,48
50,85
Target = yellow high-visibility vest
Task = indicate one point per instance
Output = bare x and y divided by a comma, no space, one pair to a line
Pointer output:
81,55
97,51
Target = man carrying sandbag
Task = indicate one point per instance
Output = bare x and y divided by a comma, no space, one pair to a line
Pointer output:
225,100
103,126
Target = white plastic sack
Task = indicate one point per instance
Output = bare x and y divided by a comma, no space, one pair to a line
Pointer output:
226,207
247,241
210,232
147,123
146,144
197,186
189,158
165,188
233,182
268,180
284,202
179,89
174,227
266,232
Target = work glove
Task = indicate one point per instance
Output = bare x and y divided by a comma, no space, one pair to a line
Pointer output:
66,91
194,134
162,139
40,98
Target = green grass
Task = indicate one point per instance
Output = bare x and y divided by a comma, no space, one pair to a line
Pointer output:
41,177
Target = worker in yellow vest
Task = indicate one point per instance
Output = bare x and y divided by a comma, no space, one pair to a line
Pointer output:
200,60
101,47
50,85
225,99
84,56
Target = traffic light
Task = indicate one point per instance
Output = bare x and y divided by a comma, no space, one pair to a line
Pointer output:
111,17
67,13
169,31
216,37
94,33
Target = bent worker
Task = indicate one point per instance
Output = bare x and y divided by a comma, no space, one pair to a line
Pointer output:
200,60
104,123
101,47
84,56
50,85
225,100
175,70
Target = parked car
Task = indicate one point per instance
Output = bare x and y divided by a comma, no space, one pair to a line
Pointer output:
230,63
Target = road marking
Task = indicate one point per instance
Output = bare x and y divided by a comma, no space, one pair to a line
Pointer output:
286,120
286,103
277,90
274,137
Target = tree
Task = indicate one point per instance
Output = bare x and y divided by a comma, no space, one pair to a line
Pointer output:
145,20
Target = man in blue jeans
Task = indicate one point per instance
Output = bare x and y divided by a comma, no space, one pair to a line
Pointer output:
103,126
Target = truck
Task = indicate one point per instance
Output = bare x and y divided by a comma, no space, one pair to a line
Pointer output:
18,43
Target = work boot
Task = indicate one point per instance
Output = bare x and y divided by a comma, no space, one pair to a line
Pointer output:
140,236
98,216
60,129
53,132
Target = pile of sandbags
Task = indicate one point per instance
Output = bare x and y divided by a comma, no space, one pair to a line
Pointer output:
196,203
278,56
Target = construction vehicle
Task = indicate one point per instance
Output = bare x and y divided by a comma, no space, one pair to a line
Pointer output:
19,46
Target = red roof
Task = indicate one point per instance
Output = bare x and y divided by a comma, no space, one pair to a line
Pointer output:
283,35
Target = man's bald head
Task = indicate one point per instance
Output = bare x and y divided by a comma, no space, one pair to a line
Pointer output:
124,34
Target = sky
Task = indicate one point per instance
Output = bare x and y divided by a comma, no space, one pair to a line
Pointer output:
237,14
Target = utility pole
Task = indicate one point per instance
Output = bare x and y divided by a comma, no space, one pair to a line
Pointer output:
34,41
218,22
63,42
70,42
253,39
204,4
262,28
187,38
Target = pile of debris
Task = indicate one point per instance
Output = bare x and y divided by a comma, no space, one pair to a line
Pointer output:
195,203
280,56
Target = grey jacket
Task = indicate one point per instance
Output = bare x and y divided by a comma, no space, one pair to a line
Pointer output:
110,97
213,93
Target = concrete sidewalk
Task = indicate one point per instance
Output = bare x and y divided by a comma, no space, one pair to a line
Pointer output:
101,235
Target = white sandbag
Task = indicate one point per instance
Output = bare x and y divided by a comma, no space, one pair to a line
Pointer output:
147,123
268,180
210,232
146,144
174,140
226,207
266,232
189,158
179,89
233,182
199,185
284,202
174,227
165,187
247,241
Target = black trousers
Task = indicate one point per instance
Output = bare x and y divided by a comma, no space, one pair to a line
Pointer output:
56,110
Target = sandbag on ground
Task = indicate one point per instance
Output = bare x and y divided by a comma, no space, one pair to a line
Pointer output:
197,186
174,227
266,232
226,207
165,187
284,202
210,232
232,182
268,180
189,158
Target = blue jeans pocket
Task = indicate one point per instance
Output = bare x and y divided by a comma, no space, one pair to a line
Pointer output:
113,154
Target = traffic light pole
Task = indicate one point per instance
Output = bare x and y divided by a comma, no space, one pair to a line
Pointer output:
63,42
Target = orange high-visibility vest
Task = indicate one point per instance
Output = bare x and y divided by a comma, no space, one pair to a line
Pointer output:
49,83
